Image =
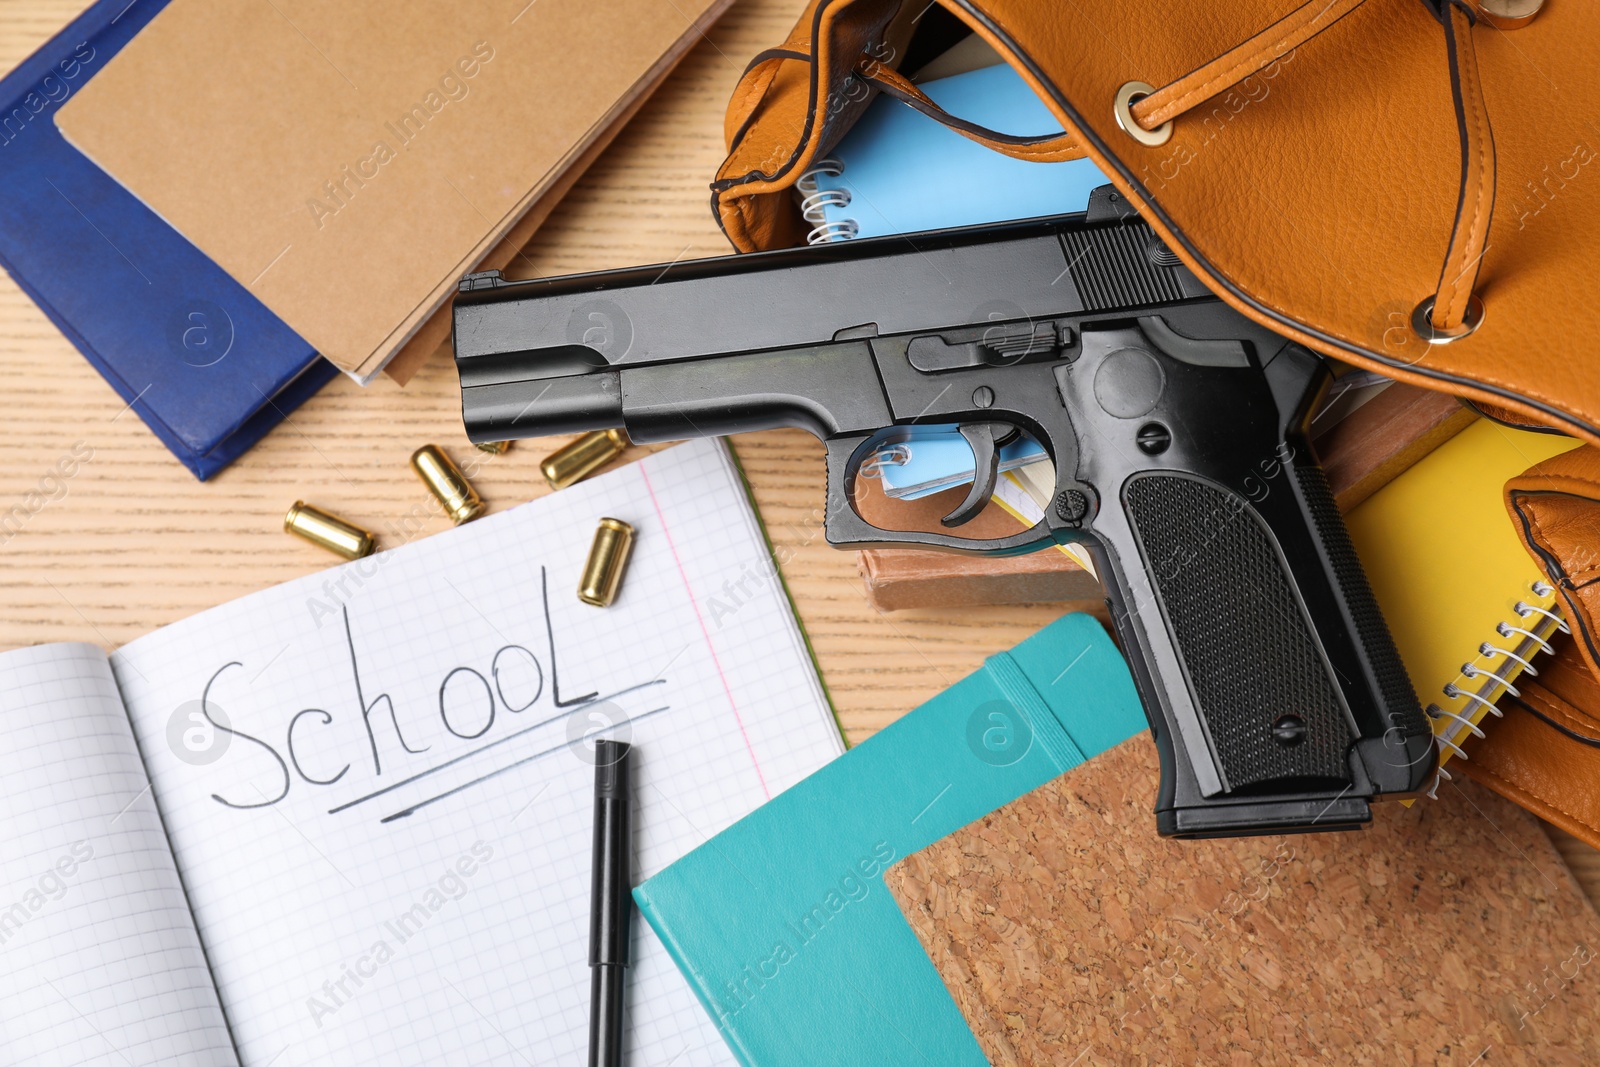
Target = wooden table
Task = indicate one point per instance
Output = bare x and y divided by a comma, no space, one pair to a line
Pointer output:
135,542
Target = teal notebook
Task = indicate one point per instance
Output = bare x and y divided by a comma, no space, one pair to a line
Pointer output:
782,923
899,171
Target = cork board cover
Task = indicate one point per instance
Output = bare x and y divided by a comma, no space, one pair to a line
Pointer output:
347,163
1069,933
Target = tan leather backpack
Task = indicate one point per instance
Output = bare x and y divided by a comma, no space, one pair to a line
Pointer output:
1407,185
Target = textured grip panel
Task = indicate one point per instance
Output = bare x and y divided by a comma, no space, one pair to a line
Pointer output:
1240,630
1394,685
1111,267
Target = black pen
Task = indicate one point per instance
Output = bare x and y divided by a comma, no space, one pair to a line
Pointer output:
610,902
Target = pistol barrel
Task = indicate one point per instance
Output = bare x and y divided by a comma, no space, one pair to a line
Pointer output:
554,355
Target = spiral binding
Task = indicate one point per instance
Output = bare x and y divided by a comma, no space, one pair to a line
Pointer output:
1495,679
893,456
813,200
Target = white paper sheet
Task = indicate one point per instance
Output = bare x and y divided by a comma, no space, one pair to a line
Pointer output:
99,960
430,902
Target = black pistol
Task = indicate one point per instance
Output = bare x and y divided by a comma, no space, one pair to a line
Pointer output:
1177,428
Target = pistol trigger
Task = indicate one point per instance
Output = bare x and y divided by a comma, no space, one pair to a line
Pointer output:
984,437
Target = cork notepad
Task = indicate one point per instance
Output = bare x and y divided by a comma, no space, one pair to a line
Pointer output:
1069,933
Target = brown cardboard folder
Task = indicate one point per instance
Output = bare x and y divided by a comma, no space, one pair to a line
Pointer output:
347,163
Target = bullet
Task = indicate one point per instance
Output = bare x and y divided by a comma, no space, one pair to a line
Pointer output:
447,484
328,531
582,457
494,448
608,561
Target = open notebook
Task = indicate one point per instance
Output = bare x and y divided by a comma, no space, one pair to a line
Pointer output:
347,820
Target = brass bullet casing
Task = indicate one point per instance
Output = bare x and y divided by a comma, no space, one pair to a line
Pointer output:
582,457
494,448
447,484
608,560
329,531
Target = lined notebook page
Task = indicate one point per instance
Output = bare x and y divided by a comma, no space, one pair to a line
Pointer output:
430,902
99,960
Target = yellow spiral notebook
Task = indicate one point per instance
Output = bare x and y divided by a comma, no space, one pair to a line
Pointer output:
1468,607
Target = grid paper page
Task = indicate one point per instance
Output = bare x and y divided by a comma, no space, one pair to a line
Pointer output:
430,902
99,959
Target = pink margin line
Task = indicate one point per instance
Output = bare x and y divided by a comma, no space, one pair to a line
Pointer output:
703,631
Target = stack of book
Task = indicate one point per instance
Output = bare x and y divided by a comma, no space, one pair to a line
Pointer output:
206,198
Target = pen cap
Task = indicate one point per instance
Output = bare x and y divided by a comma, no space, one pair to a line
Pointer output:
611,894
611,769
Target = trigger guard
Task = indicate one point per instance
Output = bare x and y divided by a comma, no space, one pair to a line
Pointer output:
844,527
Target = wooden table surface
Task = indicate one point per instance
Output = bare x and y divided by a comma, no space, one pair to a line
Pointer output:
135,542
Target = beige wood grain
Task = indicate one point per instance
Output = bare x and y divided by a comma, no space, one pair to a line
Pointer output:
134,542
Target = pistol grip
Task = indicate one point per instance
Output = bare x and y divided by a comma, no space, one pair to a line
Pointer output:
1273,688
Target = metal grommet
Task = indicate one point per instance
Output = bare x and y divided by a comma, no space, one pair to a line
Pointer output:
1422,322
1508,14
1127,96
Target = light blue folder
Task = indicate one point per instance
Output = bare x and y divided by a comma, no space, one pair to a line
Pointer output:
938,457
905,172
782,923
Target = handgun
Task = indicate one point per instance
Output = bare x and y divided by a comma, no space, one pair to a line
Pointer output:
1177,429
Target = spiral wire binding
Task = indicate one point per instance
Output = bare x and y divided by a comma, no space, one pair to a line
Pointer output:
1505,629
813,200
893,456
1452,691
1528,609
1486,649
1472,671
1469,670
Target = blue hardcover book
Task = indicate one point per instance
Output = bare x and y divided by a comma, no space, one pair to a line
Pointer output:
782,923
204,364
900,171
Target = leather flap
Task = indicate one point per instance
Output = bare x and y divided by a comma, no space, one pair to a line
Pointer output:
1317,195
1555,506
1544,754
793,103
